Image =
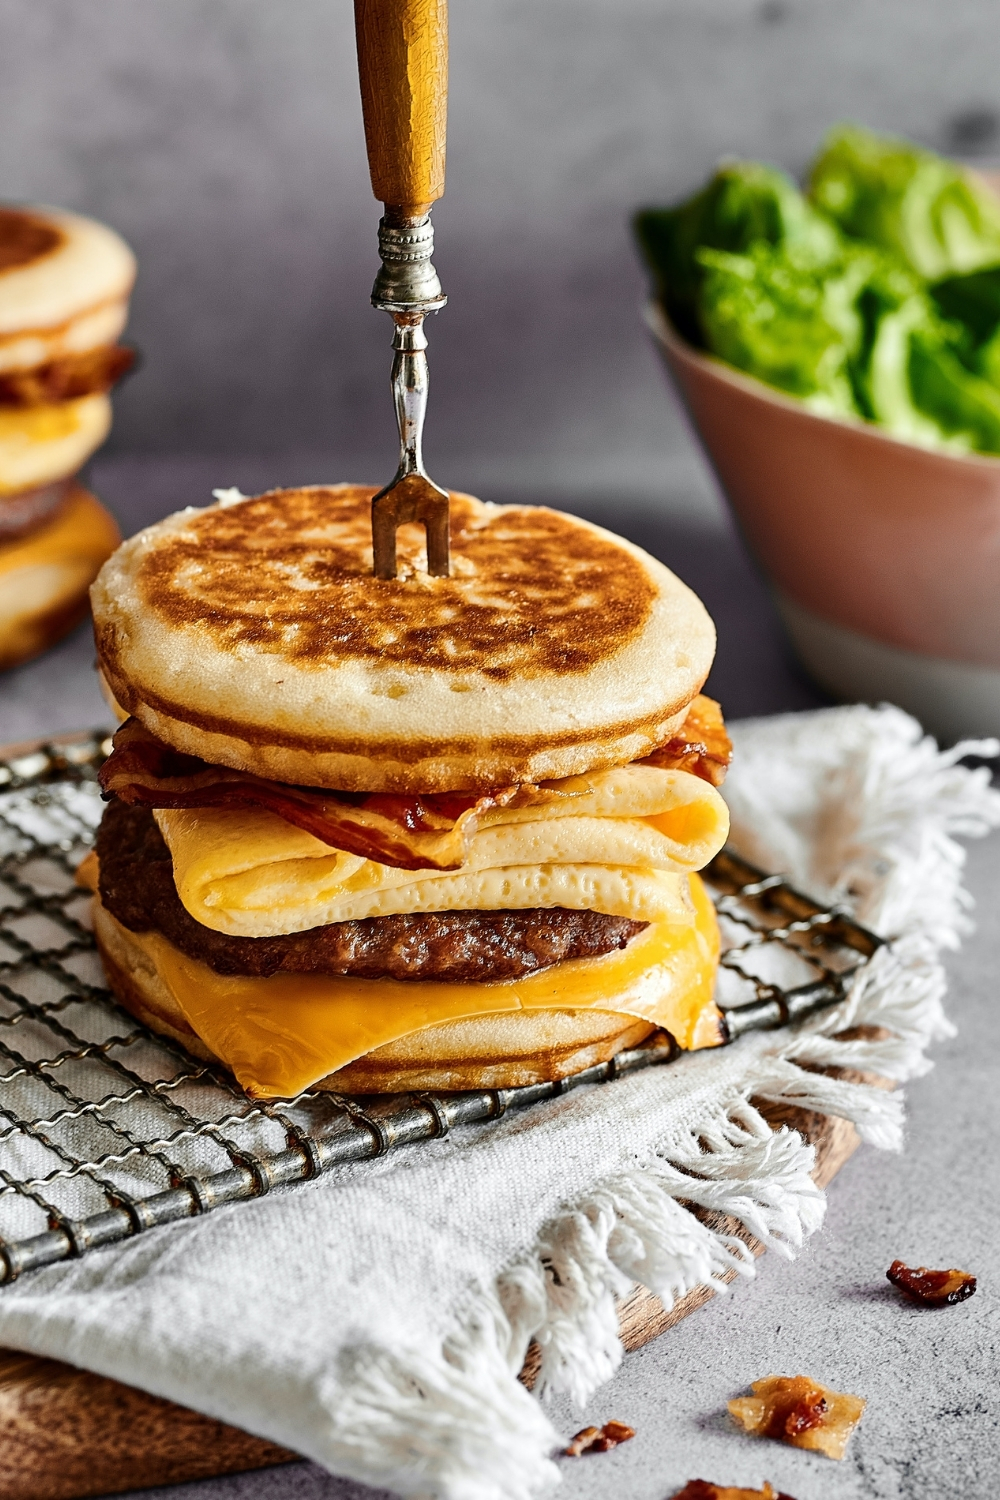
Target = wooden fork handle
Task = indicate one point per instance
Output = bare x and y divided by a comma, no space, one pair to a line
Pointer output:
403,66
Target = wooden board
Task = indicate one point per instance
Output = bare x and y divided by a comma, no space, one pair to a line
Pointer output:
66,1434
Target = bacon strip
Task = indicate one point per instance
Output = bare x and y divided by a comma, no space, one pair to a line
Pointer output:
420,832
68,378
410,833
701,745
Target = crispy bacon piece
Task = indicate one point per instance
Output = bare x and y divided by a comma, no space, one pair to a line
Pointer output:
581,1442
68,378
932,1288
598,1439
419,832
700,1489
701,745
410,833
800,1411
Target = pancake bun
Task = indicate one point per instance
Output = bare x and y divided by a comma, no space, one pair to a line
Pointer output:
254,634
44,576
64,285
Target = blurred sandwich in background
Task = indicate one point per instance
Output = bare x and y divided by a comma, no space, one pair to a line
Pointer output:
65,283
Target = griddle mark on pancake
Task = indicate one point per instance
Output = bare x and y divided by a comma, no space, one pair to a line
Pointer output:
25,238
137,888
289,573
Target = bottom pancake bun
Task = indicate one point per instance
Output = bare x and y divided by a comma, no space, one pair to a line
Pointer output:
503,1050
493,1052
45,575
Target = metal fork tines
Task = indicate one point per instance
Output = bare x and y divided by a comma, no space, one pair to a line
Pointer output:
408,288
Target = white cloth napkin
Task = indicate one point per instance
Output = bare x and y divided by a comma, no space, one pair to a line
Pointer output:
375,1319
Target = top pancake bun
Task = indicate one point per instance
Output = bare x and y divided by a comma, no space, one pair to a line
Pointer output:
64,285
253,634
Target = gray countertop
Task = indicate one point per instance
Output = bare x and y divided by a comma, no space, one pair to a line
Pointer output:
932,1429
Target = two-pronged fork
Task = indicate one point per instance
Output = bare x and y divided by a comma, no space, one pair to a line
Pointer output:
403,65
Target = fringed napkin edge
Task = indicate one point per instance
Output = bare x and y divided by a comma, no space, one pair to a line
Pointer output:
456,1423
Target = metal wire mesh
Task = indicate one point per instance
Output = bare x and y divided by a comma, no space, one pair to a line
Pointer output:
107,1129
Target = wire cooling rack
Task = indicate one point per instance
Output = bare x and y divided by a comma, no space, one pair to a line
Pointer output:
107,1129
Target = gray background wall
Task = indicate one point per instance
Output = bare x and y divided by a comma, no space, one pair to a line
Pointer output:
223,138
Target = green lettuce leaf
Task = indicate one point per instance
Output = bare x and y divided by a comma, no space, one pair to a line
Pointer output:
890,303
988,359
892,401
911,374
965,406
973,301
879,298
785,323
744,204
935,215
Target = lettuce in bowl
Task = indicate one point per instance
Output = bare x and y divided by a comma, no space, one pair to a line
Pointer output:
930,212
875,295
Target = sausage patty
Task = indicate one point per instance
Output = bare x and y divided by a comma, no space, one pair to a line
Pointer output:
137,887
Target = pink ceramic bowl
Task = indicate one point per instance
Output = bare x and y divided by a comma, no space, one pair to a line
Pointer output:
884,558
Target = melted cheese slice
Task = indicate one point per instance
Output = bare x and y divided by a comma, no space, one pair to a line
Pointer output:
282,1034
620,842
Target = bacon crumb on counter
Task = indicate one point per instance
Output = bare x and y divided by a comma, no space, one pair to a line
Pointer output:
701,1489
932,1288
598,1439
797,1410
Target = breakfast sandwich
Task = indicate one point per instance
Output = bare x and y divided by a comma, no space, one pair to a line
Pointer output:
374,834
64,288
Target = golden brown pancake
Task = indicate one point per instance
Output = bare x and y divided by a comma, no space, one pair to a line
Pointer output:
64,286
254,635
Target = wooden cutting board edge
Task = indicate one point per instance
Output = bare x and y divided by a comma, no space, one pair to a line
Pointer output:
66,1433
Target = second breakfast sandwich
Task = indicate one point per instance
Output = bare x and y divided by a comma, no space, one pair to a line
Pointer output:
423,832
65,283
